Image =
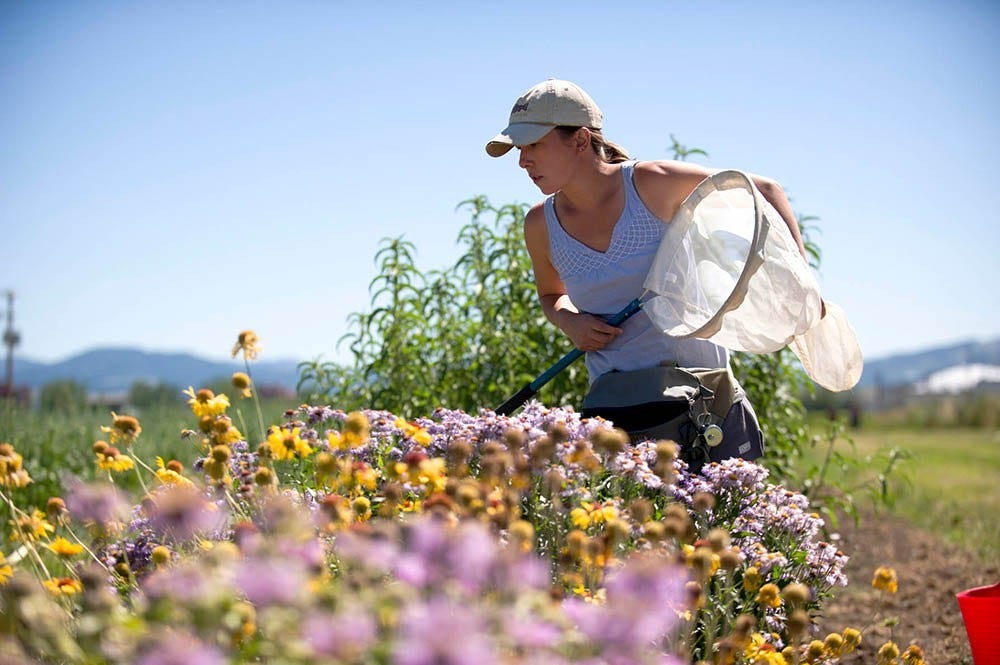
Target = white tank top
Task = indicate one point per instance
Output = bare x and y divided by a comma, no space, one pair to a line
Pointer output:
601,283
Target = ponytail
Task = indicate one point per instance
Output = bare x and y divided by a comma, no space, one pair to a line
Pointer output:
610,153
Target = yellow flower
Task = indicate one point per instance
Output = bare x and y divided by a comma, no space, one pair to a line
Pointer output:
431,474
30,528
769,595
63,548
913,655
885,579
852,639
414,431
287,445
63,586
5,570
751,579
112,460
410,506
887,654
169,476
761,652
592,513
12,473
834,645
241,382
125,429
248,343
206,403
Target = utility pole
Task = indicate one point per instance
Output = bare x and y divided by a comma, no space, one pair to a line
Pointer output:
10,339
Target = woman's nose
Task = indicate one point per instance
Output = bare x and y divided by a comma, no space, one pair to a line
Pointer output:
522,159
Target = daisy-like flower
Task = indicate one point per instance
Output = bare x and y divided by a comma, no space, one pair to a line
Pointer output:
63,548
592,513
885,579
30,528
762,652
6,571
287,444
111,459
241,383
63,586
124,429
248,343
206,403
170,476
412,431
12,473
913,655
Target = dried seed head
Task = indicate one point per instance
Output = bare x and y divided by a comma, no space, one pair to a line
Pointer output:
241,381
264,476
718,539
175,466
221,454
703,501
99,447
796,594
640,510
161,555
514,438
576,540
730,559
610,441
797,623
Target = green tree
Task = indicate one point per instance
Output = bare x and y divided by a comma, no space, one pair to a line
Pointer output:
146,395
64,395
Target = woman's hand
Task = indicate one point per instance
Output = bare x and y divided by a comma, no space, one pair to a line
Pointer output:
586,331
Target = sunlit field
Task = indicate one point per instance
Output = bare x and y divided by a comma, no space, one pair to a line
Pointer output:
945,481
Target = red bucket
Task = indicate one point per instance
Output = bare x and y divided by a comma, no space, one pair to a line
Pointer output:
981,613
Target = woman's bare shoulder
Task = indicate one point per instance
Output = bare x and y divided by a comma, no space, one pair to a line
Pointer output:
661,168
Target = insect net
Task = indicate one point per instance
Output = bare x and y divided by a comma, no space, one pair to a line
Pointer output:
728,270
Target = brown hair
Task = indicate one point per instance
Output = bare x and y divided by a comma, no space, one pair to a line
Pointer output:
609,152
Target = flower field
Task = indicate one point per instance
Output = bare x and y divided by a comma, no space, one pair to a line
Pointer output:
454,538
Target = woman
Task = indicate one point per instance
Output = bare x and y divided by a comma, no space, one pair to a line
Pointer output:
593,239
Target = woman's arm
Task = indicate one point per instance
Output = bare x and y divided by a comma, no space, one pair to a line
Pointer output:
663,186
587,332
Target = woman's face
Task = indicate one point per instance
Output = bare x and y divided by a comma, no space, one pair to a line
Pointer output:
550,162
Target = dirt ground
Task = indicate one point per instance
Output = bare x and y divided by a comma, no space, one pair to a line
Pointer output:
930,573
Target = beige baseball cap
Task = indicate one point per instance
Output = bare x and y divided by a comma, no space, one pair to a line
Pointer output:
549,104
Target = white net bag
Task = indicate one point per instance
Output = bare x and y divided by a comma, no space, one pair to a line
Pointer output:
728,269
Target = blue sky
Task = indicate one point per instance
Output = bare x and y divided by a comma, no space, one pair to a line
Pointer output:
172,173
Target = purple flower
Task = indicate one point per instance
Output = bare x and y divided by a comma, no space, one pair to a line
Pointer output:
98,503
181,649
180,513
343,636
442,633
271,581
643,601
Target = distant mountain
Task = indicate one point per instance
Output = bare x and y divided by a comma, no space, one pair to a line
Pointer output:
114,370
909,368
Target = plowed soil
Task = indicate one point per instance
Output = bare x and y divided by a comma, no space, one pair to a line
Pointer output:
931,572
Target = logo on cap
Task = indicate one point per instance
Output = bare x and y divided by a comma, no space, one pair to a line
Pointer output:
519,106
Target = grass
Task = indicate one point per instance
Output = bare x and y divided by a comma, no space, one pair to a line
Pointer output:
948,485
55,445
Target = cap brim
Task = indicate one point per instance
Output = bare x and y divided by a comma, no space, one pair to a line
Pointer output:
520,133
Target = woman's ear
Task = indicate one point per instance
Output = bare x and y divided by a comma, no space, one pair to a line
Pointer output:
581,139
